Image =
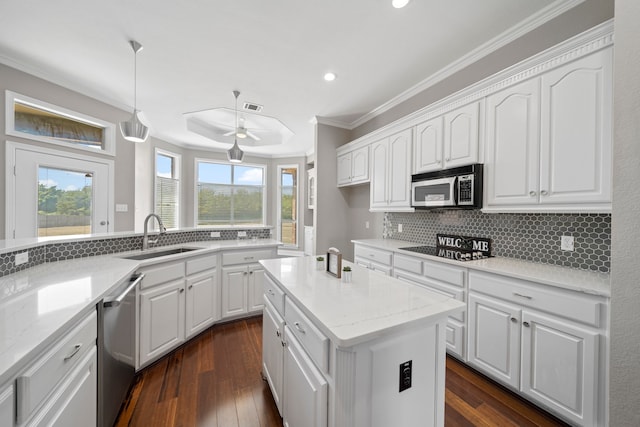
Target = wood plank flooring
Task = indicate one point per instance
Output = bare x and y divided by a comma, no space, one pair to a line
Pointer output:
214,380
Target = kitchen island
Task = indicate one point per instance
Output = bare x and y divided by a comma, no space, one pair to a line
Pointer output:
366,353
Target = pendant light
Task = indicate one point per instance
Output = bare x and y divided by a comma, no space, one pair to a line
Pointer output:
133,129
235,154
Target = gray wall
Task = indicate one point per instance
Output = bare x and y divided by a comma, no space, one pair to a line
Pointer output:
572,22
624,381
25,84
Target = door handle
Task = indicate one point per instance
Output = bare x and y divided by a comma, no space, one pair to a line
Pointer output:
75,351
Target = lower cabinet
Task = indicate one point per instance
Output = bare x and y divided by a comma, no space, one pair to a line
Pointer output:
552,359
7,406
374,259
273,351
202,308
305,388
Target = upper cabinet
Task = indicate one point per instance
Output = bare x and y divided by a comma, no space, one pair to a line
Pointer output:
391,173
549,140
447,141
353,167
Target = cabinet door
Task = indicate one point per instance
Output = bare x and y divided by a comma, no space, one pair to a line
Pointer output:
305,390
494,338
560,366
576,136
161,319
344,169
273,352
428,146
7,406
256,288
512,157
77,406
461,136
379,166
202,305
360,165
399,173
234,290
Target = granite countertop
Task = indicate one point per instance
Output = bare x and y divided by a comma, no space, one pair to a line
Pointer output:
39,304
590,282
372,305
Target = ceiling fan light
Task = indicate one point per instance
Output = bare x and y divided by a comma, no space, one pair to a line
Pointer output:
235,154
241,133
133,129
398,4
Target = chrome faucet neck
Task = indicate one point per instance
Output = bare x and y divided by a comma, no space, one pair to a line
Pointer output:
145,238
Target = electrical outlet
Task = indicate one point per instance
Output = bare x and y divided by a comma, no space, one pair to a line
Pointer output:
566,243
215,234
405,375
366,224
242,234
122,207
21,258
399,228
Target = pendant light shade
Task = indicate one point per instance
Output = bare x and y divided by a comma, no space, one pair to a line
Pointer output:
235,154
133,129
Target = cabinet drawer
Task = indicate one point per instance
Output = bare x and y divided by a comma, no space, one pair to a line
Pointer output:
571,305
440,271
246,257
437,287
407,263
274,294
372,254
203,263
314,341
161,274
42,377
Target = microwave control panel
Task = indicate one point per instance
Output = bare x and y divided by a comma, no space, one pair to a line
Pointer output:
465,190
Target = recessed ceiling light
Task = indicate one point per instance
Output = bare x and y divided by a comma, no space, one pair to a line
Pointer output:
330,76
399,3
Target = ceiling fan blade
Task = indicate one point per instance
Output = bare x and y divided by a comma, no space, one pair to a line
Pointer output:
253,135
229,133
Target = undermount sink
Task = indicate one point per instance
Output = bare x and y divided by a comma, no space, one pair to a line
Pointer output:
156,254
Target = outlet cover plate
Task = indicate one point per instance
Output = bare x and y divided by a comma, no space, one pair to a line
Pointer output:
21,258
567,243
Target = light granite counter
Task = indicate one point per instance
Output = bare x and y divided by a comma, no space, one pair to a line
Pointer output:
38,304
590,282
370,306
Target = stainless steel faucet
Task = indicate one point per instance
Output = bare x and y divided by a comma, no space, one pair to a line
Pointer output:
145,238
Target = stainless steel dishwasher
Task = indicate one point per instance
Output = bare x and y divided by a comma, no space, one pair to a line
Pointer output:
116,347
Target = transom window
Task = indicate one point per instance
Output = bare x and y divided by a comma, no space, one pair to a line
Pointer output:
229,194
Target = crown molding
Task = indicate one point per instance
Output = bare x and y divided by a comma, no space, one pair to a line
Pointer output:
532,22
331,122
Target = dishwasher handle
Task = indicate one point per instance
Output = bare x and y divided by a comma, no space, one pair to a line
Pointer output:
135,279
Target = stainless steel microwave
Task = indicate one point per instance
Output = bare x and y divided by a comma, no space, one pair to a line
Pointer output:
455,188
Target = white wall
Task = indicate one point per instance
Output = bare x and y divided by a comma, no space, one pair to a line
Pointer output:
624,401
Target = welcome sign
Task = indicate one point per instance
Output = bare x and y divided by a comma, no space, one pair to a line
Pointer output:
462,248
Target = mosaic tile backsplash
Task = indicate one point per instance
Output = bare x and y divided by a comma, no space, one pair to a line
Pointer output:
533,237
60,251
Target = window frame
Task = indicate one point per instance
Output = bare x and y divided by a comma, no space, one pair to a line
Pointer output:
222,162
109,128
177,171
279,205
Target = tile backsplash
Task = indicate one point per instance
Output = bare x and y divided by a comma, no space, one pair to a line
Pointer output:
533,237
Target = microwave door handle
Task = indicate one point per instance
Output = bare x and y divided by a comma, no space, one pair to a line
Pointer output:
455,191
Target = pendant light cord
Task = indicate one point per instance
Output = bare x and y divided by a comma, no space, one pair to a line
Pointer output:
135,81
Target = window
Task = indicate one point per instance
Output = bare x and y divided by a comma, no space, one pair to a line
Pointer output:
229,194
167,188
33,119
288,205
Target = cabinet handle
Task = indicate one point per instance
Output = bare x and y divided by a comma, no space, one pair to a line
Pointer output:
181,290
248,258
245,273
251,272
532,193
284,343
190,286
299,328
447,159
514,320
544,192
270,292
75,351
526,324
522,296
278,333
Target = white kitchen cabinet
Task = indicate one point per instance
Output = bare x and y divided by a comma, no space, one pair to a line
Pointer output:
234,291
353,167
549,140
161,319
255,301
427,155
305,388
544,343
202,308
7,405
494,338
391,173
374,259
461,136
273,351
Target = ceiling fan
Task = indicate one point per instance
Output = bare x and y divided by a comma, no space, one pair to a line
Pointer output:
241,131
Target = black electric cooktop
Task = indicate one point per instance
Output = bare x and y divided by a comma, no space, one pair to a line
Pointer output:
427,250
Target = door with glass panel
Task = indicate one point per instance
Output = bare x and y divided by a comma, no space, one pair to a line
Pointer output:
288,205
58,194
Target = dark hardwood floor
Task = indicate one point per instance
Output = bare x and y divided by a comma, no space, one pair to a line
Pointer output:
214,381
